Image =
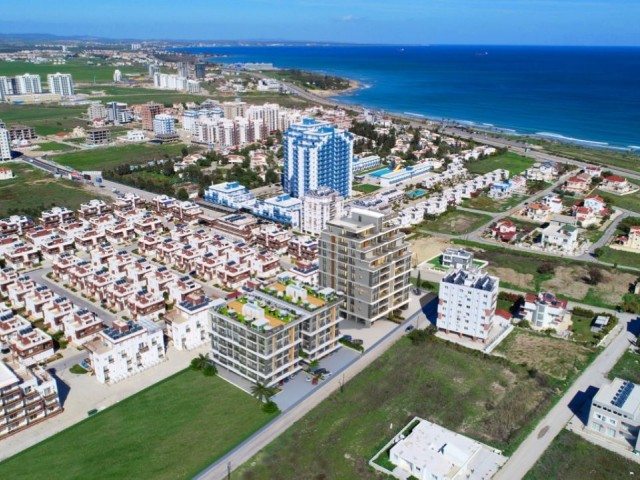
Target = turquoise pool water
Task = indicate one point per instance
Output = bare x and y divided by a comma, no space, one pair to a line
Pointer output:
379,173
416,193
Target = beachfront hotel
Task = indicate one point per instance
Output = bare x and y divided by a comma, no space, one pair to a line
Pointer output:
366,256
267,334
316,154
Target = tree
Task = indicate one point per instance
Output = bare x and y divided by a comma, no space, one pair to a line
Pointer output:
419,280
200,362
595,275
184,151
271,176
183,194
261,392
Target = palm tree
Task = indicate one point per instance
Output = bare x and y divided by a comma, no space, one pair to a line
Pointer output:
200,362
261,392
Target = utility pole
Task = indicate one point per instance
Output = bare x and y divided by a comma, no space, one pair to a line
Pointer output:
228,470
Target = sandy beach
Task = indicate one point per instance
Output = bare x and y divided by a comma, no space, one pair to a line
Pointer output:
353,86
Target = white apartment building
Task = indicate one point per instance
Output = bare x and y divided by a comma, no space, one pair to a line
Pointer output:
269,113
167,81
164,124
61,84
318,207
360,164
467,303
27,84
187,322
125,349
5,144
117,76
97,111
281,209
135,136
28,396
230,194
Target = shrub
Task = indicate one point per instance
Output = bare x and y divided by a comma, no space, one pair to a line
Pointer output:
270,407
77,369
210,370
546,268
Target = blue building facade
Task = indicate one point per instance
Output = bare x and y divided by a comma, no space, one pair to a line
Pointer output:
316,154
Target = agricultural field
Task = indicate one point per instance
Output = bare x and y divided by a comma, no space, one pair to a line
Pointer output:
173,429
571,457
456,222
108,158
34,190
339,436
554,357
514,163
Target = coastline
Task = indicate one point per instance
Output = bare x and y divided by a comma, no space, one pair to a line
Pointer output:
354,86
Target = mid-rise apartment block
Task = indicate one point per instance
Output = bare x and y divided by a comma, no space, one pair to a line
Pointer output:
164,124
267,334
318,207
365,256
467,303
148,111
61,84
5,144
27,84
615,412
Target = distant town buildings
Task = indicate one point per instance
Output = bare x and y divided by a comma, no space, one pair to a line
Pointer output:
467,303
317,154
365,256
61,84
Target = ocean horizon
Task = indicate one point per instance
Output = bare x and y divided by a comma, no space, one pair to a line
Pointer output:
585,95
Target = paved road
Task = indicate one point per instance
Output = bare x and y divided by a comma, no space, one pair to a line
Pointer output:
529,451
243,452
39,276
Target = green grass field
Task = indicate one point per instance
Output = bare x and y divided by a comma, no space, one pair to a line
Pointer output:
339,436
596,156
46,119
455,222
34,190
627,368
365,187
171,430
570,457
107,158
621,257
516,164
628,202
78,68
54,147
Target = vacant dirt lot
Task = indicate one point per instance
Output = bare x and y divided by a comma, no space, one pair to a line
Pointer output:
552,356
569,281
522,280
425,248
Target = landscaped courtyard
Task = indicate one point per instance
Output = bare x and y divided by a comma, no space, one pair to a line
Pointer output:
171,430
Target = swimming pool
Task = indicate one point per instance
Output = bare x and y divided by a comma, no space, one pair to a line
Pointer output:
416,193
379,173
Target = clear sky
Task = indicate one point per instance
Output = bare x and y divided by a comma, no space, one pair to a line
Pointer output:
539,22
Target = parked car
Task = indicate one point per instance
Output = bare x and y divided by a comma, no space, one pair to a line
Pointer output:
348,338
357,341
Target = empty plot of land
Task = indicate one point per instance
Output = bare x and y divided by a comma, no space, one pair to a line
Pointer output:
551,356
108,158
425,248
514,163
628,367
34,190
455,223
435,380
171,430
571,457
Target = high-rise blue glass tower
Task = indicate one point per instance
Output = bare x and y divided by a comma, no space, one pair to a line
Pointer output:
316,154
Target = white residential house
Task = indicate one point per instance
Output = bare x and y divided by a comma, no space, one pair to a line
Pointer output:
543,310
560,236
125,349
187,323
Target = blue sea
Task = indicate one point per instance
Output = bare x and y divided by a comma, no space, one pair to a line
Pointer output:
584,94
